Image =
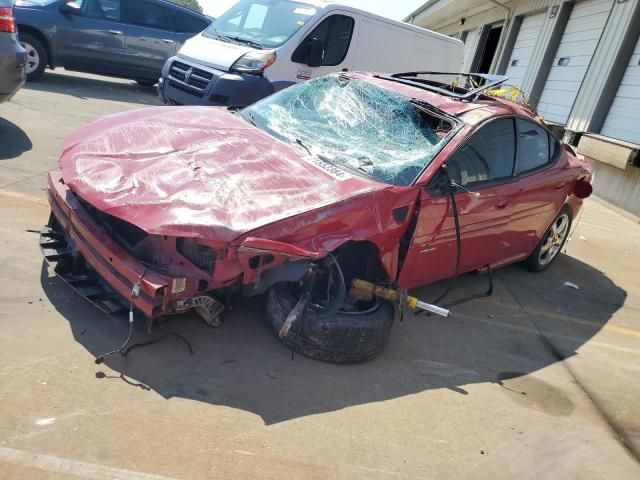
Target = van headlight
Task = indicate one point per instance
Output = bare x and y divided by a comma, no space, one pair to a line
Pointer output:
254,62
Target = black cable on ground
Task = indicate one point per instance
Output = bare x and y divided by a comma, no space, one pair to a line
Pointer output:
123,350
101,358
158,340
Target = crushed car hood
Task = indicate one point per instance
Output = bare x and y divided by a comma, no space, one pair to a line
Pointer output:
198,172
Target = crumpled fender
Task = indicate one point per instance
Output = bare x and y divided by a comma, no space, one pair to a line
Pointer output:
258,254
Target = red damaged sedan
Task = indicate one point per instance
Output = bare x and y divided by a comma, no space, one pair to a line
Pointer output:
341,184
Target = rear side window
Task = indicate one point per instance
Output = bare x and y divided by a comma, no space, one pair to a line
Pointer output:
185,23
489,154
536,147
147,14
335,33
102,9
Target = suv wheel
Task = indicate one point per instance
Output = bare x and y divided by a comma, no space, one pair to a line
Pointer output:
37,58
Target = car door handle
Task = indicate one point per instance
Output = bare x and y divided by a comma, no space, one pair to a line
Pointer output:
168,40
502,204
114,32
560,185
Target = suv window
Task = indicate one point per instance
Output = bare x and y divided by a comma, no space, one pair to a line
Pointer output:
185,23
335,33
104,9
536,148
147,14
489,154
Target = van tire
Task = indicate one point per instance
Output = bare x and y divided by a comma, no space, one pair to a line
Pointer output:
36,55
342,338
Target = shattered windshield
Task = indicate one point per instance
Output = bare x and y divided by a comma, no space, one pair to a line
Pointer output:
261,23
355,124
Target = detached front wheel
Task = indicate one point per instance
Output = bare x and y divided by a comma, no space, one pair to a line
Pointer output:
340,337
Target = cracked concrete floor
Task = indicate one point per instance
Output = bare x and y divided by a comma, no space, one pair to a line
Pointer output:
539,381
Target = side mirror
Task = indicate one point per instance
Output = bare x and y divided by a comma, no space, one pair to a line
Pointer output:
316,53
70,8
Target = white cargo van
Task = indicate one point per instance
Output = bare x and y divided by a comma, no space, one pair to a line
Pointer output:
261,46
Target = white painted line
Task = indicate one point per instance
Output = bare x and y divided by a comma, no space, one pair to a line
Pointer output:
55,464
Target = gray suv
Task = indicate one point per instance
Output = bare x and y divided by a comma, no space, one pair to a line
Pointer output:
12,55
120,38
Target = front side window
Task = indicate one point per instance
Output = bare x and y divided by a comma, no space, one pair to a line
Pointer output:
355,124
335,34
535,148
185,23
147,14
261,23
489,154
102,9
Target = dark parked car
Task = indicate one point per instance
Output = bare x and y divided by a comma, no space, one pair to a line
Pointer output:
12,55
119,38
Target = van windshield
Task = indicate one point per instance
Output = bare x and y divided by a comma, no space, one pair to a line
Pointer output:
357,125
261,23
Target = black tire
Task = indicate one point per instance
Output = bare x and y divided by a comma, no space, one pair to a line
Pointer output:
536,261
343,338
146,83
36,52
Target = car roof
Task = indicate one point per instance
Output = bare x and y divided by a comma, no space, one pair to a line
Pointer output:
471,112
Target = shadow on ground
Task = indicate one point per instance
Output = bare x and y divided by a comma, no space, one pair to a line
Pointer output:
242,365
102,88
13,141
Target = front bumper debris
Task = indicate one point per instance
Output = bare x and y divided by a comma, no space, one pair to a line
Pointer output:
92,263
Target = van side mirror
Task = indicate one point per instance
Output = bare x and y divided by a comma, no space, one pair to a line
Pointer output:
309,52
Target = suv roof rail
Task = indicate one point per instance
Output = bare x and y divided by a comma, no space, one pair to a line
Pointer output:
474,85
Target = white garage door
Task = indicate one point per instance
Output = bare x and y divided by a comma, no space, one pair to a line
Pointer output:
577,46
470,44
623,120
524,47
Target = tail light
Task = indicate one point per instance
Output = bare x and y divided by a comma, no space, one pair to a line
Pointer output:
7,22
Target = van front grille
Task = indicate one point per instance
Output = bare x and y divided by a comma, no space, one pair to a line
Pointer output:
185,88
189,79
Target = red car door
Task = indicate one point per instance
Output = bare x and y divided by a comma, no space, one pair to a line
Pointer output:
544,185
483,168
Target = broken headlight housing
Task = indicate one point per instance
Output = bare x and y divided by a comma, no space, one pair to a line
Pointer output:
201,256
255,62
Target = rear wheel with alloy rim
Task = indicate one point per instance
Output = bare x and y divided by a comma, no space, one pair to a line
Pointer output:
552,242
36,56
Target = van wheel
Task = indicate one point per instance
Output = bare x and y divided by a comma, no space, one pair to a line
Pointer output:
340,338
552,242
37,58
146,83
